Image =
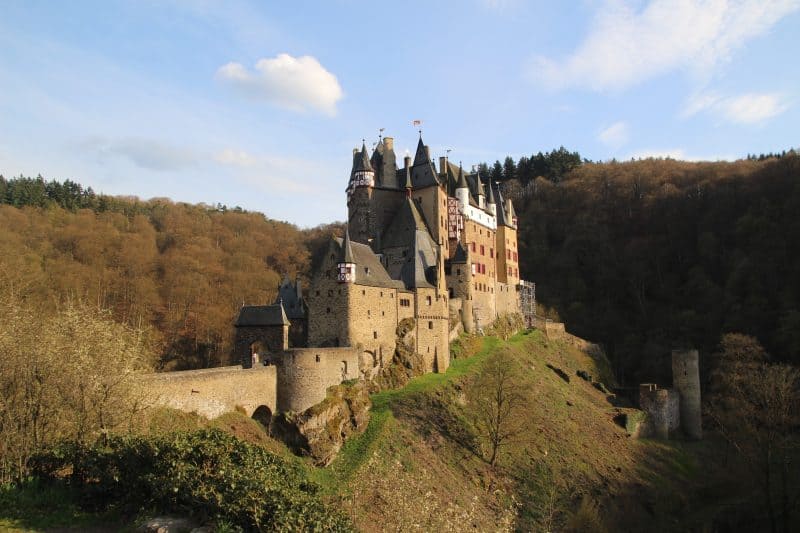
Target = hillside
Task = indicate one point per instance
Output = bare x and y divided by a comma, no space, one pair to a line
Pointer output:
643,255
419,464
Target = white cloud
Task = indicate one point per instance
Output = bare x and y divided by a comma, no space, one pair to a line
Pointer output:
615,135
239,158
751,108
145,153
295,83
628,45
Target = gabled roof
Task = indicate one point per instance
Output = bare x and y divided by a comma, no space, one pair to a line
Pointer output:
262,315
291,296
461,254
420,268
369,270
422,172
402,227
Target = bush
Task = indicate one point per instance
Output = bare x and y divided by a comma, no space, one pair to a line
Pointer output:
207,473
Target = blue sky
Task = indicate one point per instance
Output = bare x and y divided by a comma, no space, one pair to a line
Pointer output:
259,104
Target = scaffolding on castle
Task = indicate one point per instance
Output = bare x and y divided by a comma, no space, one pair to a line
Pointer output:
527,301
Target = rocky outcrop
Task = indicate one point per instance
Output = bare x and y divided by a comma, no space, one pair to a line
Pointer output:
405,363
321,430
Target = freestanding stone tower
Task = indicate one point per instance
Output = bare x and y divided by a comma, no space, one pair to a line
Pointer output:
686,380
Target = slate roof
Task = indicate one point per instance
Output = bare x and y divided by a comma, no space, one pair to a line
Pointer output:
369,270
402,227
422,172
420,270
361,161
503,217
262,315
461,255
291,295
346,255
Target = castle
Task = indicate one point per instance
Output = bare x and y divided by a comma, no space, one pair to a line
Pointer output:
435,245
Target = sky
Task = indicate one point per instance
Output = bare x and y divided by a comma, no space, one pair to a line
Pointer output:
259,104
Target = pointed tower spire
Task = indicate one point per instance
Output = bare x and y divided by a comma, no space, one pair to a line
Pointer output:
462,181
362,174
347,263
462,189
422,156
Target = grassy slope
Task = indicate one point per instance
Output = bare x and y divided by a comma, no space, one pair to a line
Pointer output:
418,465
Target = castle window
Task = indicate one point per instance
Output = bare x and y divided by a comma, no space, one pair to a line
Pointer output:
391,295
363,292
317,358
491,252
383,313
429,300
340,291
381,294
366,271
369,313
472,245
374,334
430,324
458,272
483,250
317,293
328,310
330,292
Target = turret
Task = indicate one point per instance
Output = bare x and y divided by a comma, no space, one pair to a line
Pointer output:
362,174
490,203
481,195
347,263
462,189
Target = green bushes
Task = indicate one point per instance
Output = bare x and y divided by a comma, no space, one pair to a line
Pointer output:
206,473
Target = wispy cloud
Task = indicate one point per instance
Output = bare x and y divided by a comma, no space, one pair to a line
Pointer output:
751,108
271,173
295,83
615,135
678,154
627,45
146,153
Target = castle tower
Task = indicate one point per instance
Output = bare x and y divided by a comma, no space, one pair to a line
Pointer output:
490,203
346,267
686,380
359,197
462,189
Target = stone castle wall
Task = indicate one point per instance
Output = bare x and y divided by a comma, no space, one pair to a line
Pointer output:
433,330
273,339
304,375
663,411
213,391
507,299
328,319
373,315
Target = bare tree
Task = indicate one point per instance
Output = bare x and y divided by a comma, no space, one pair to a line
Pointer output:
756,408
497,400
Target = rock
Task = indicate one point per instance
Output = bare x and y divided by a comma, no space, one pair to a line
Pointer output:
320,430
168,524
584,375
602,388
563,375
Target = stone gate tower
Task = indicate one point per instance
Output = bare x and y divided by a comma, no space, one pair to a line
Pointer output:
686,381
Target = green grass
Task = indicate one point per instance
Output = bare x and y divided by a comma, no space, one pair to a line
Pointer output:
359,449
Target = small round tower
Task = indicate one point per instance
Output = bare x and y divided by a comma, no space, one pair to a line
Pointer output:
686,381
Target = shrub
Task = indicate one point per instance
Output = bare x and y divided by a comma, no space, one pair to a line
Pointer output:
207,473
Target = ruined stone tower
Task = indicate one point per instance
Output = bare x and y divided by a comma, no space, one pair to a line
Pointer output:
686,381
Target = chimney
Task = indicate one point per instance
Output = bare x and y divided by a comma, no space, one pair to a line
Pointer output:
442,164
407,161
355,151
428,152
388,143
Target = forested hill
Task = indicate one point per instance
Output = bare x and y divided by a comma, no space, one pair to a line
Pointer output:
643,256
182,270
